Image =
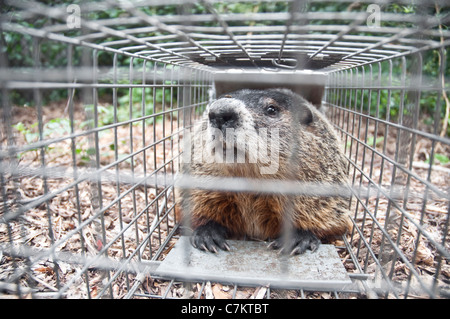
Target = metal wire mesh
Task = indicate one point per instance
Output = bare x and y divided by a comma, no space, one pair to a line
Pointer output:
87,199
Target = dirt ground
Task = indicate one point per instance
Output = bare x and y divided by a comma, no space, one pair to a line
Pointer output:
64,211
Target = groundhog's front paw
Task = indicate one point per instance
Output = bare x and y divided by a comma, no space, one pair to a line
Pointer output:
210,237
298,243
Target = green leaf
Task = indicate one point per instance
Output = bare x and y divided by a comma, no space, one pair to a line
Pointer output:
20,127
90,151
442,158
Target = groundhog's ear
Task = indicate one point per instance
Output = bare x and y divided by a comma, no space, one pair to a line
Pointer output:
306,115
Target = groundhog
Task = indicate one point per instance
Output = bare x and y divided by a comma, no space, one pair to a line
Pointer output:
300,145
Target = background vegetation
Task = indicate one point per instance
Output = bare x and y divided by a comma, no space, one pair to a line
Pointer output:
23,51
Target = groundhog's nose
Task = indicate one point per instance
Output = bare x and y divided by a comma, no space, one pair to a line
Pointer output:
223,118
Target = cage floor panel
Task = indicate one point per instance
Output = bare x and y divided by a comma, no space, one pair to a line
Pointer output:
252,263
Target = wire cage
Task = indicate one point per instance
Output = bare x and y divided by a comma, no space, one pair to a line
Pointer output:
96,98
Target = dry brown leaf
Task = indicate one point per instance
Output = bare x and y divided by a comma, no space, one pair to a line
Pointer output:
259,293
424,254
326,295
94,291
208,291
44,269
64,209
243,294
218,292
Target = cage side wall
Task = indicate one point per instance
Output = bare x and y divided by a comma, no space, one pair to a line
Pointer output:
400,198
94,111
87,182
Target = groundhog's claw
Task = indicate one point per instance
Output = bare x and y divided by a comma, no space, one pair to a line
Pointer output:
210,237
297,244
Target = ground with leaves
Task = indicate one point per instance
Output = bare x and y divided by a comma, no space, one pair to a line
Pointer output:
62,211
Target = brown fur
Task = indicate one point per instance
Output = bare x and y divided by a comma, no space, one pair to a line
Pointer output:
317,158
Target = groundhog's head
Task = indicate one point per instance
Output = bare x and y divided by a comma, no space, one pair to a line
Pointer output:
254,127
254,109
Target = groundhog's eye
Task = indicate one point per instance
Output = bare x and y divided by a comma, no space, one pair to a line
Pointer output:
271,110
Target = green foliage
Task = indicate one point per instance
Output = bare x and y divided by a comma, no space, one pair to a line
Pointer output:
27,52
378,141
370,141
132,104
441,158
54,127
28,133
58,127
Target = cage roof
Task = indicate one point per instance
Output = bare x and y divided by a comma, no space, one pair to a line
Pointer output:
287,35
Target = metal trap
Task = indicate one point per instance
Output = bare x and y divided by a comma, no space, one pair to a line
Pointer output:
96,98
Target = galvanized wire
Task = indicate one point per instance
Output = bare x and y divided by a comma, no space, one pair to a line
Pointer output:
183,53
